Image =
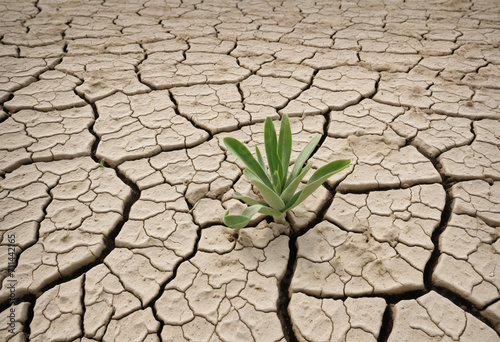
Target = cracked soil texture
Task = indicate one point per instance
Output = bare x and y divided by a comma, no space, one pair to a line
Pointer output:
114,178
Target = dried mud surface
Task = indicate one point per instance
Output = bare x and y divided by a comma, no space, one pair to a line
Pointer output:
114,178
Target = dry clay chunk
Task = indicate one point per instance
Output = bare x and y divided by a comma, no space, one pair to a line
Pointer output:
334,89
87,204
470,255
375,163
12,322
139,126
214,107
433,134
166,71
31,136
54,90
19,72
326,319
58,313
432,317
478,198
229,290
105,299
470,245
104,74
157,236
203,168
385,249
422,89
480,159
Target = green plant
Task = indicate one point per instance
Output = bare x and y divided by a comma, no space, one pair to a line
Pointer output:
275,185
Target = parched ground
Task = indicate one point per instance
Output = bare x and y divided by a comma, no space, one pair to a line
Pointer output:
114,178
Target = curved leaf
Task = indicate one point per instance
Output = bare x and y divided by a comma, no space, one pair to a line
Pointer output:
329,169
273,158
269,195
261,161
240,221
302,158
247,200
285,146
290,189
242,152
269,211
277,182
318,178
291,202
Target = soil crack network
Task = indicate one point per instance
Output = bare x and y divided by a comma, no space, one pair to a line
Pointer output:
114,177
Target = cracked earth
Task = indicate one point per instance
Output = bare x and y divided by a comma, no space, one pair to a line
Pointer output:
114,178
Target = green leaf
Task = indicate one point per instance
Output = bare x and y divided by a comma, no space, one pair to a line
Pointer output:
277,182
275,187
261,161
269,211
302,158
289,191
271,145
246,157
285,147
247,200
270,196
240,221
329,169
291,203
318,178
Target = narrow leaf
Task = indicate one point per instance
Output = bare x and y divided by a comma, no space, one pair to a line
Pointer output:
287,194
242,152
271,145
269,195
302,158
329,169
247,200
277,182
240,221
291,203
318,178
261,161
269,211
285,147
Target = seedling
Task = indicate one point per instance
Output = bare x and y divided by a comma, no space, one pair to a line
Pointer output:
276,186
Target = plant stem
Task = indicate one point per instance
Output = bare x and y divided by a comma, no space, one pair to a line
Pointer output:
280,219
